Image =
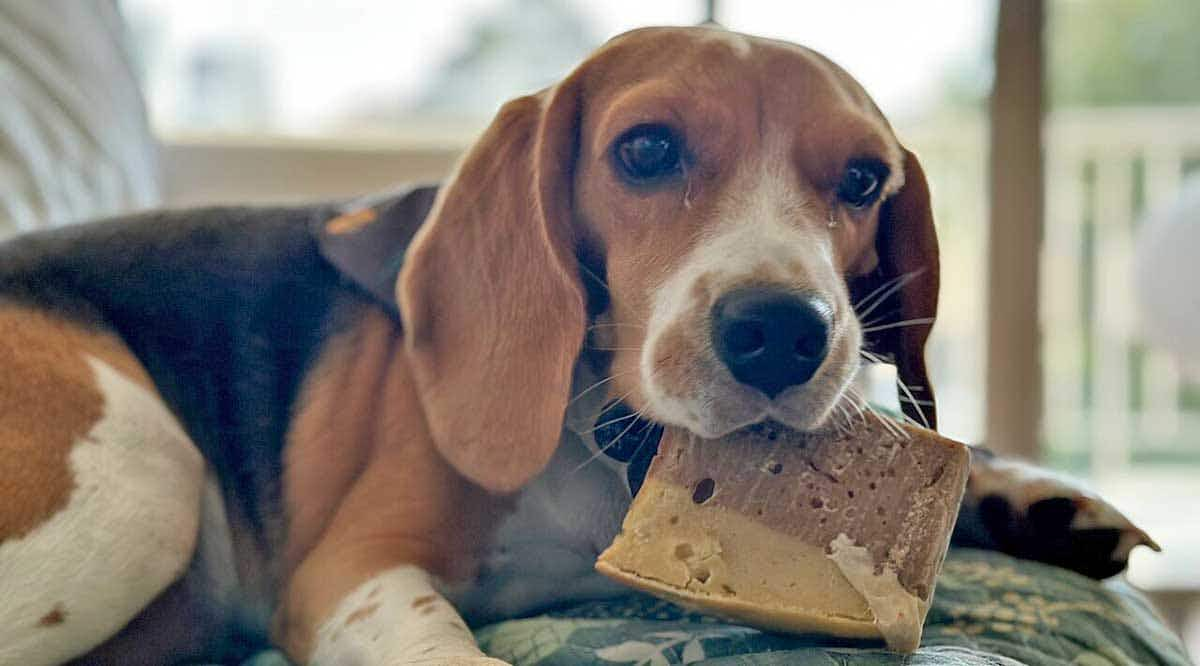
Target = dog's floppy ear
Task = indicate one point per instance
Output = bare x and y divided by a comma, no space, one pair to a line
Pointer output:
490,297
903,290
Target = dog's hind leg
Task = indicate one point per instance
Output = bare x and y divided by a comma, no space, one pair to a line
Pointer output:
99,488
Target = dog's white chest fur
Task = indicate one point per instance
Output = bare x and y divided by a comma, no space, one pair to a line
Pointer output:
544,551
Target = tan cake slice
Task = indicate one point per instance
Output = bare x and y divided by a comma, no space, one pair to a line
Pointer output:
839,534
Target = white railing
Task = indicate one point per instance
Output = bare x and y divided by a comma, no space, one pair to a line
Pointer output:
1110,401
1105,390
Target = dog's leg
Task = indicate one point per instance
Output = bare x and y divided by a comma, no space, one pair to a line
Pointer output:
1036,514
364,562
396,617
99,489
364,595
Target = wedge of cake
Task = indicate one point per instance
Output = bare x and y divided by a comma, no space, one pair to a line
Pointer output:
840,534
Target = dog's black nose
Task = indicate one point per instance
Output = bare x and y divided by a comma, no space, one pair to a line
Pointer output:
769,338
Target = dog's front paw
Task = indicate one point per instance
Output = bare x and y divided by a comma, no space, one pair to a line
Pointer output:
1035,514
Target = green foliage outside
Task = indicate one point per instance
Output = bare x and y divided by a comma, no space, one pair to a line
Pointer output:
1103,53
1123,52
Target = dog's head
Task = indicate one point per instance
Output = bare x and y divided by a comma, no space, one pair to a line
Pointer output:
706,208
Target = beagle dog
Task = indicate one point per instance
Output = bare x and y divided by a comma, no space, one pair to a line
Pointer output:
359,429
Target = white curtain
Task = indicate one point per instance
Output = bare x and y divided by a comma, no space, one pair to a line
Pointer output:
74,139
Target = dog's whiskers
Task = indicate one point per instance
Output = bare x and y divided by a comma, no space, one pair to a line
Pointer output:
641,444
845,427
907,395
857,401
911,399
882,292
600,450
614,403
882,317
893,429
600,281
865,300
598,384
904,388
595,277
613,325
607,423
872,357
899,324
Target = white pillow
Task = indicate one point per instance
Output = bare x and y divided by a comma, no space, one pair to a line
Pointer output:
1167,272
74,140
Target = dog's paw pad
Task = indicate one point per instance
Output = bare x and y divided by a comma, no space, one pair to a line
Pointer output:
1035,514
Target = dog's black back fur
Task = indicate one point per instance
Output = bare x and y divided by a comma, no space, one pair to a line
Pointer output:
225,307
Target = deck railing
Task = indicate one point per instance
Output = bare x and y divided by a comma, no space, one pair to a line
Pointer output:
1110,400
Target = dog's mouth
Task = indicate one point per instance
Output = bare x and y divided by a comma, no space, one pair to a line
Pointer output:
624,436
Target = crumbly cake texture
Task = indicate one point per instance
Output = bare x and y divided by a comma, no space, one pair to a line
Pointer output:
837,533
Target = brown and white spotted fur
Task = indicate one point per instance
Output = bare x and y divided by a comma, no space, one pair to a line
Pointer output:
224,424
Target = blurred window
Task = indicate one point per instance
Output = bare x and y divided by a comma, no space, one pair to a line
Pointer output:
364,66
1124,131
1122,134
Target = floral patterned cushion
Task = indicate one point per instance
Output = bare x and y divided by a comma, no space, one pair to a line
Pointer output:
988,609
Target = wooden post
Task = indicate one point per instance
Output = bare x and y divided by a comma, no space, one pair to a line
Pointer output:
1014,379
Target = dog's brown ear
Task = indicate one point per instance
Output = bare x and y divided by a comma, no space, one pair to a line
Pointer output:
899,298
490,297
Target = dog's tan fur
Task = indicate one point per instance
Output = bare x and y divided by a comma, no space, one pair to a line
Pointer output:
392,500
49,401
100,487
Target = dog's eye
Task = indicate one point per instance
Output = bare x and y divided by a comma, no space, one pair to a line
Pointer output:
861,183
648,153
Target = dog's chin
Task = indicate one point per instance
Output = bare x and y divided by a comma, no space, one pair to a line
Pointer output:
719,419
808,418
805,409
809,411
